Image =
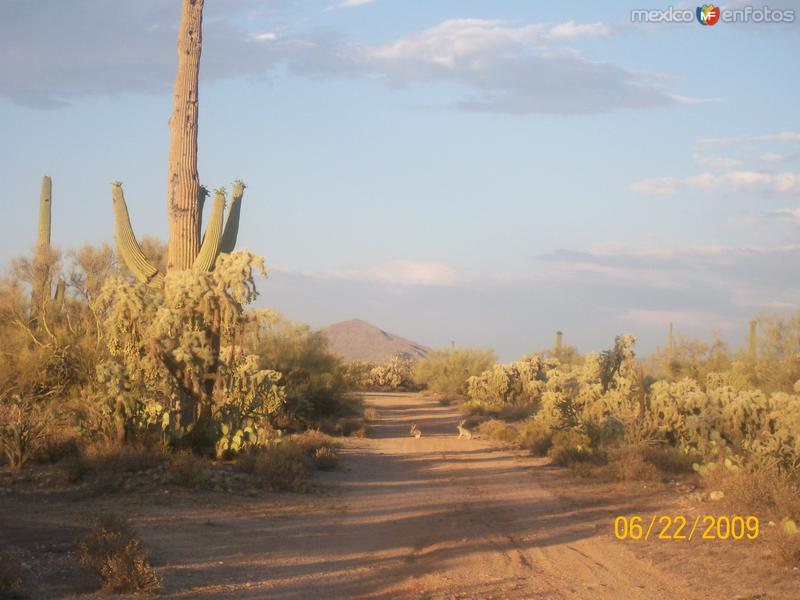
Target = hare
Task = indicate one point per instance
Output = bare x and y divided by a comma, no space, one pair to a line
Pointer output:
415,432
463,432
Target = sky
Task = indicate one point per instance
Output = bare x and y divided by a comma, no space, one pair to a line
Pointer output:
477,172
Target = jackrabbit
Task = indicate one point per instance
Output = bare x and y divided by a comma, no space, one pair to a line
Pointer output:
415,432
463,432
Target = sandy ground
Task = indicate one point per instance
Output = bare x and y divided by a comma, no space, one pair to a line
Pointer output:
435,517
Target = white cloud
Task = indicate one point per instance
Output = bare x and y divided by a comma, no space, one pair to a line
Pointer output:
570,29
266,36
771,157
733,181
785,136
94,48
661,186
399,272
349,4
722,162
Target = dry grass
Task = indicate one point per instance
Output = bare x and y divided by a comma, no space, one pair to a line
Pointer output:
106,464
764,492
570,447
284,467
536,438
628,463
320,448
499,431
188,470
114,552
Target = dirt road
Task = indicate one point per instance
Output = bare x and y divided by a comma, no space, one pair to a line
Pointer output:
434,517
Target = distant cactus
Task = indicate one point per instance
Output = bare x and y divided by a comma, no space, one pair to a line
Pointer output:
557,348
43,260
751,339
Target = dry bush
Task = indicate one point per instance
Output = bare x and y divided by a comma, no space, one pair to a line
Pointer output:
499,431
370,414
24,427
106,464
536,437
188,470
670,460
325,459
786,542
283,467
319,447
581,469
350,427
628,463
114,552
570,446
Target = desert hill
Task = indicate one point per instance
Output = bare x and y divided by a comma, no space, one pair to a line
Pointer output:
359,340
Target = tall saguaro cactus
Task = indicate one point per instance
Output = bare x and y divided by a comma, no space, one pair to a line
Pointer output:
183,192
751,340
557,348
185,196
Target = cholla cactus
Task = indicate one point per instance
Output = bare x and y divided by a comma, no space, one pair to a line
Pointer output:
182,344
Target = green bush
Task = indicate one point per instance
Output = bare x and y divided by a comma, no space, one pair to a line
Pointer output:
447,371
313,377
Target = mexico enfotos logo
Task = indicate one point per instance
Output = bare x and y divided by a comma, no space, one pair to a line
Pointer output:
710,14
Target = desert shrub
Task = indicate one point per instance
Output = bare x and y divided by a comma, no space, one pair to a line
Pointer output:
627,463
499,431
106,464
313,377
325,459
786,541
115,553
188,470
357,374
371,414
447,371
23,430
536,437
347,427
669,459
320,448
281,467
570,446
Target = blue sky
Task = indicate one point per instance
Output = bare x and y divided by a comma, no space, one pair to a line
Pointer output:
484,172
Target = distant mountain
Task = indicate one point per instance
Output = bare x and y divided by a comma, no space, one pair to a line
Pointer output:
359,340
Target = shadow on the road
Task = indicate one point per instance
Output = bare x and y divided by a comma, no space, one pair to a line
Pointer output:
388,524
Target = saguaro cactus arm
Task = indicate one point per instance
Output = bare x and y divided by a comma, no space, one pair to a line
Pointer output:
128,247
213,236
232,223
